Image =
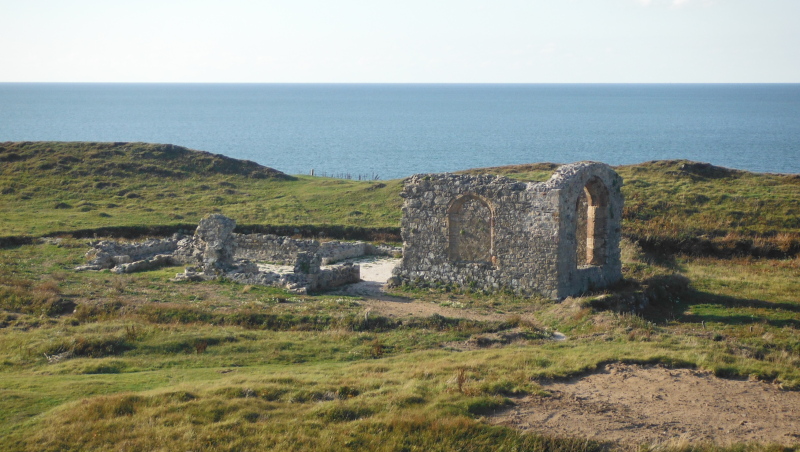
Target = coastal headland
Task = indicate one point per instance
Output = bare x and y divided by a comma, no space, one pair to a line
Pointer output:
96,360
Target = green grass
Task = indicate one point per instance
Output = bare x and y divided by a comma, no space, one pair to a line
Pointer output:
50,187
55,187
176,365
98,361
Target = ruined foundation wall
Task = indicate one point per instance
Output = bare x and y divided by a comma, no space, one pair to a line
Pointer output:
215,251
271,248
303,282
108,254
283,250
335,276
335,251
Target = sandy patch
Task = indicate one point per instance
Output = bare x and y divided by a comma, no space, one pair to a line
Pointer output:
631,404
375,271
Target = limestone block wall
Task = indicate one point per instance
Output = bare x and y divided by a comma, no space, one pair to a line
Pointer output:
107,253
335,276
271,248
494,233
303,282
335,251
284,250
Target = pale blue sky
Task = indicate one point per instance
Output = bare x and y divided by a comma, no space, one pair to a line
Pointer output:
400,41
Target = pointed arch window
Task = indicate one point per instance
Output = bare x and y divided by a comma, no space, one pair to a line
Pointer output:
470,229
592,224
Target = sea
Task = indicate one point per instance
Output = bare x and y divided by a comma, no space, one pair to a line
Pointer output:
387,131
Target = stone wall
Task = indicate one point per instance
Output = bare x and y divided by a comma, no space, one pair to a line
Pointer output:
299,282
107,254
215,251
271,248
335,251
493,233
283,250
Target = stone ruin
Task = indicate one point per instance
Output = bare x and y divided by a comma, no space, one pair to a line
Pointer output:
557,238
215,251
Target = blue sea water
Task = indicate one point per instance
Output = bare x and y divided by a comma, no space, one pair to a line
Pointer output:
397,130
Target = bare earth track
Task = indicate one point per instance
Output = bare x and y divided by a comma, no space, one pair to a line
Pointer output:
632,404
624,404
374,274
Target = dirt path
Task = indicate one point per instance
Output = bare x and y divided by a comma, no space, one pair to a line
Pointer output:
375,271
624,404
631,404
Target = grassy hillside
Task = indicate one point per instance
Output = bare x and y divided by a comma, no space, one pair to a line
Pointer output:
99,361
50,187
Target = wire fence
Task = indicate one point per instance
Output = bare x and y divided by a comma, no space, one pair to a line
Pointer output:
349,176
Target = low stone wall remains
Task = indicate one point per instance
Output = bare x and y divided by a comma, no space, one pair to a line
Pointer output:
283,250
271,248
215,251
107,254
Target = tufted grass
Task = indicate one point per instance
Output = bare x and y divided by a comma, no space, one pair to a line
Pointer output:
136,362
157,365
50,187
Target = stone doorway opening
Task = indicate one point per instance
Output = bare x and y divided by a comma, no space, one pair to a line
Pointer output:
592,224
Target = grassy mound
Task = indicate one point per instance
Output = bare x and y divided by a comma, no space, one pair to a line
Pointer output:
52,188
122,160
130,189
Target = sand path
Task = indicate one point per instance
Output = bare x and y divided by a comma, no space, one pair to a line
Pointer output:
375,271
631,404
624,404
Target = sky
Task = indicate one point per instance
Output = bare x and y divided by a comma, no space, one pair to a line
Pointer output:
400,41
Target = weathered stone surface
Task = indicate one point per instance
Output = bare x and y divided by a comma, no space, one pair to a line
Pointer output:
157,261
307,263
493,233
214,237
284,250
272,248
216,251
107,254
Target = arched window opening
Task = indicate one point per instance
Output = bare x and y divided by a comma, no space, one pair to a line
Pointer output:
470,224
592,224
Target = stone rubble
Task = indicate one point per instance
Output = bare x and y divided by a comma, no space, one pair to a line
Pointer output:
558,238
215,251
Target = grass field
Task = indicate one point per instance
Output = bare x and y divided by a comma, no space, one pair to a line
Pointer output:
99,361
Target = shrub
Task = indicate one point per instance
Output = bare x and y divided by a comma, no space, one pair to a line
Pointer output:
340,412
486,405
26,298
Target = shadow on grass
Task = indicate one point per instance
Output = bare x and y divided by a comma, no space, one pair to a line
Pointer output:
681,310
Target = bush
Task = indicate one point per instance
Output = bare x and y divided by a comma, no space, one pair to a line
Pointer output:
486,405
339,412
92,347
25,298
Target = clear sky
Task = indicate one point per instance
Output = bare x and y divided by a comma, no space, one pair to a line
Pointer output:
400,41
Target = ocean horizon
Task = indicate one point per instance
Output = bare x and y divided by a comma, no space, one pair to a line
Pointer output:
396,130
